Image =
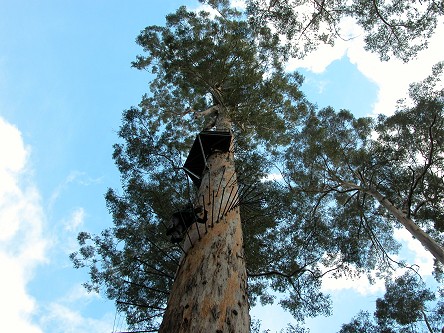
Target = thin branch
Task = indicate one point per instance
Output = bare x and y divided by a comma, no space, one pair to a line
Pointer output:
159,272
427,321
319,12
146,287
209,111
375,5
427,165
153,330
141,305
254,275
298,271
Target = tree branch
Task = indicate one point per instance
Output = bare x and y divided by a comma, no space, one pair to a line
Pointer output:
209,111
428,164
378,13
140,305
145,287
427,321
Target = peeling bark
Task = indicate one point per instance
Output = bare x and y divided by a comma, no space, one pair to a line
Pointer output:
209,292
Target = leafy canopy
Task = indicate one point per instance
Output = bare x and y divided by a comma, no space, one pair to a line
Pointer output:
391,28
200,61
291,240
197,62
346,164
407,306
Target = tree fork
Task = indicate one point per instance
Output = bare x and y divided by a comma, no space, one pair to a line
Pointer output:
209,293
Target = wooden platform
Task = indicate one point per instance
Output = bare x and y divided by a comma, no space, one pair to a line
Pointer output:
205,144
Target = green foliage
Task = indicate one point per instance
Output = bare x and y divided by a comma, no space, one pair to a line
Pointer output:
407,306
297,230
410,158
198,62
342,162
295,329
406,292
400,28
255,327
362,323
323,160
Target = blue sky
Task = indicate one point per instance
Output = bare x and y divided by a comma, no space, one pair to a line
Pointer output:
65,78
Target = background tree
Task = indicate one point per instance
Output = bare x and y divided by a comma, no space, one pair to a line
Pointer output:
322,158
407,306
399,29
374,175
362,323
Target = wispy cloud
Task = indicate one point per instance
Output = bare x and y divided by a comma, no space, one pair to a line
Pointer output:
66,314
74,177
75,220
22,245
62,318
72,225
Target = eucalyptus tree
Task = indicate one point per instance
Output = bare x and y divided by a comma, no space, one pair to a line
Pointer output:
376,175
407,306
391,28
207,72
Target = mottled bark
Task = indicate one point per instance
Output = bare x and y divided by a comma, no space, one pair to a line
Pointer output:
209,292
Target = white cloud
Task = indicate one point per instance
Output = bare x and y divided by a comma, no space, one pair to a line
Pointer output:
359,284
240,4
207,8
317,61
412,252
61,318
22,245
75,221
411,249
67,313
392,77
417,254
16,305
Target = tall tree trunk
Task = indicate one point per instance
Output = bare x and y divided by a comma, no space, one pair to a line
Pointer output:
428,242
209,292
